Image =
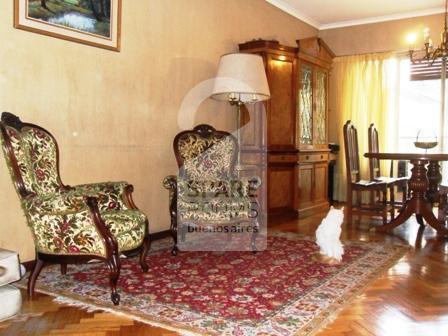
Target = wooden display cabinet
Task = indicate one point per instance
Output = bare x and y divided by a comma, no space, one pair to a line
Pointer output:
297,166
314,63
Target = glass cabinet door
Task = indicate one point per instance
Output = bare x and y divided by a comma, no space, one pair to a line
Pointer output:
305,102
321,107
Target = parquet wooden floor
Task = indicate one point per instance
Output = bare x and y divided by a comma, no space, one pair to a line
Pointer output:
411,299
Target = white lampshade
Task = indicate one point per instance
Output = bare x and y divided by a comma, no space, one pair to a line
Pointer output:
241,77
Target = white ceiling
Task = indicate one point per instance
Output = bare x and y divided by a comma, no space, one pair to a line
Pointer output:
326,14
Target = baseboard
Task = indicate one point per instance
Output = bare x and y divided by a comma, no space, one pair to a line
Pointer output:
160,235
153,236
303,213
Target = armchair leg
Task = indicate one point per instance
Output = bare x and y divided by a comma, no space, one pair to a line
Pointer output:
63,269
114,272
33,276
143,252
173,231
253,239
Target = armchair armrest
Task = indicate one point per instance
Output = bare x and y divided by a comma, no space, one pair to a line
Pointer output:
254,182
170,182
110,195
61,203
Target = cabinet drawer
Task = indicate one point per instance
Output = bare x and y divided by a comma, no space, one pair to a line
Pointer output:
276,158
313,157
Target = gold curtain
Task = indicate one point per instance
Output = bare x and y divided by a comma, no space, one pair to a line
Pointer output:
361,87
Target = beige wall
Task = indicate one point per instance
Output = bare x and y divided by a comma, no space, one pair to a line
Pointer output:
382,36
115,114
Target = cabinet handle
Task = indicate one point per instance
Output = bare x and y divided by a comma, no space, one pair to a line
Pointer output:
307,157
321,156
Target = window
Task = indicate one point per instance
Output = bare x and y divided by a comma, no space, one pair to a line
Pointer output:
419,109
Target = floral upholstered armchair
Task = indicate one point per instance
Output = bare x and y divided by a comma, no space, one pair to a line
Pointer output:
70,224
207,191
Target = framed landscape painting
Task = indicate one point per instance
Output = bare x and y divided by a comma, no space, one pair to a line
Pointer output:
93,22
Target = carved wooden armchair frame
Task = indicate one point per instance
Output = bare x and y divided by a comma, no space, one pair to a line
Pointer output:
171,182
85,195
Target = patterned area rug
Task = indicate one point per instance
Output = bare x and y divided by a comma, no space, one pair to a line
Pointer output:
284,290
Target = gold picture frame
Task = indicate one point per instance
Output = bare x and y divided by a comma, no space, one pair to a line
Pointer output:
92,22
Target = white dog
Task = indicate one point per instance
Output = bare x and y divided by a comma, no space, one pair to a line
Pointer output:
328,234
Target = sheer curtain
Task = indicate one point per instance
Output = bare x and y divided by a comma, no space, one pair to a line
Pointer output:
363,87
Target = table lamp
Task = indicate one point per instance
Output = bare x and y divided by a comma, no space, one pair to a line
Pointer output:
241,79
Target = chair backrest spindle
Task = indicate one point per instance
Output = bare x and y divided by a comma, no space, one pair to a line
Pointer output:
351,152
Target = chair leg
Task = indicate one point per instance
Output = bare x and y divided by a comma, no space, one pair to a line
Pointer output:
392,202
183,233
146,245
173,231
63,269
33,276
385,206
114,272
349,207
359,204
253,238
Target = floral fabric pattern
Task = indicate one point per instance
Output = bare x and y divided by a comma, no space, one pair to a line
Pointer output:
206,158
42,157
58,216
109,194
206,189
19,153
71,233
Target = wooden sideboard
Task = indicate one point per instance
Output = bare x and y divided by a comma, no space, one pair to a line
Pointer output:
292,135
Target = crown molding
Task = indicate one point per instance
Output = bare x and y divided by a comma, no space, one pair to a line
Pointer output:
294,12
281,4
384,18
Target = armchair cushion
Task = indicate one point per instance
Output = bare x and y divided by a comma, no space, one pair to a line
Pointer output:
66,233
128,227
76,233
72,199
109,194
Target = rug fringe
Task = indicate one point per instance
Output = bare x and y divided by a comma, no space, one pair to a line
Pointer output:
90,308
320,323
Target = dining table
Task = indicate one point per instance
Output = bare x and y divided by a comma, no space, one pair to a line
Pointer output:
423,185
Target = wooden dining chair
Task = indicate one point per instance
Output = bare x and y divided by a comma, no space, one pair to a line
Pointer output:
375,171
356,184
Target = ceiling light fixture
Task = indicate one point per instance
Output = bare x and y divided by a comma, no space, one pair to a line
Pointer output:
430,54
